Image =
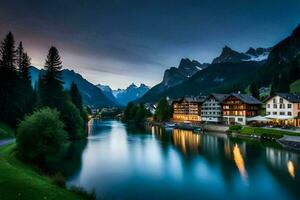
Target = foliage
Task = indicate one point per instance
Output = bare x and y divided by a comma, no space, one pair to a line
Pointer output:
295,86
41,136
50,84
235,128
20,181
75,96
163,111
136,113
70,115
59,179
6,131
254,90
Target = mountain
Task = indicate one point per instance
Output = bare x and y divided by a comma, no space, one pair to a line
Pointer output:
220,77
229,55
131,93
108,92
91,94
280,58
176,75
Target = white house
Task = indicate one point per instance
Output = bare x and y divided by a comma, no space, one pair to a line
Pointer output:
284,109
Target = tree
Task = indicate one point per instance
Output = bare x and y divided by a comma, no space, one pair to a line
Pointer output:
284,83
254,90
51,90
163,111
41,136
27,95
76,96
274,84
10,92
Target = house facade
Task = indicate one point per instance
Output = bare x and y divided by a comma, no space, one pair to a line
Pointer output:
211,109
187,109
237,108
284,109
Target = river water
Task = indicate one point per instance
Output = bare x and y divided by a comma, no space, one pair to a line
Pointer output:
123,162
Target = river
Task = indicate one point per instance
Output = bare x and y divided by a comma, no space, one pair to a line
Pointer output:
123,162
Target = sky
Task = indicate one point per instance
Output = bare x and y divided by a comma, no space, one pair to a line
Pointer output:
117,42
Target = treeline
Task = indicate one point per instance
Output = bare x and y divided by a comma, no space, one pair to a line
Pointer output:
138,113
47,116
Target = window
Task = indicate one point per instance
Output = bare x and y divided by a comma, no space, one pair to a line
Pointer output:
290,113
269,105
274,100
268,113
240,119
274,105
274,113
282,113
281,100
289,105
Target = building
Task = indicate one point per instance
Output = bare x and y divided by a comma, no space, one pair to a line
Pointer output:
237,108
211,109
187,109
283,109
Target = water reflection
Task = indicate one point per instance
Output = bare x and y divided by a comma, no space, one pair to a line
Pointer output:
291,168
239,161
127,162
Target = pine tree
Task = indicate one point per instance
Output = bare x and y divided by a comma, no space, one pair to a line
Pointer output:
76,96
274,84
254,90
10,92
163,111
51,90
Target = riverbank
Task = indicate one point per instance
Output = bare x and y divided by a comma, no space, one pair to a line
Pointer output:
21,181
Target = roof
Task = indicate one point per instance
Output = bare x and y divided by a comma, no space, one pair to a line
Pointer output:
291,97
248,99
199,99
218,97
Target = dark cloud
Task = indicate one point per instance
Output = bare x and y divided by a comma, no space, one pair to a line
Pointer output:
137,39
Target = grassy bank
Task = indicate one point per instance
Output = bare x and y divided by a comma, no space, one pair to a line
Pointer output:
20,181
246,130
5,131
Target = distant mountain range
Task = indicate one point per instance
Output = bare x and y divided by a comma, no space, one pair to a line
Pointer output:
124,96
231,71
91,94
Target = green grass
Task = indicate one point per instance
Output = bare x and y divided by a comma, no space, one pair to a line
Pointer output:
20,181
263,131
295,86
6,131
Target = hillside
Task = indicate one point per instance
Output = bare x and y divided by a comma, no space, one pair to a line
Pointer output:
91,94
219,77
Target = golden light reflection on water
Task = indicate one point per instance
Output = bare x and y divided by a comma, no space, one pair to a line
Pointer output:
291,168
90,127
239,161
186,140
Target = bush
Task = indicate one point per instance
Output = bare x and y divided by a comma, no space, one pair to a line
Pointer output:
73,121
41,136
59,179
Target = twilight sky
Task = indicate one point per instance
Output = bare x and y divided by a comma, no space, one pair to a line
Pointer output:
118,42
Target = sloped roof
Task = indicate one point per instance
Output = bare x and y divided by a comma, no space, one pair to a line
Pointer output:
198,99
248,99
291,97
218,97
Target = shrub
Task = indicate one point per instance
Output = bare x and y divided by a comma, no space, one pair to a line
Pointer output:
41,136
59,179
73,121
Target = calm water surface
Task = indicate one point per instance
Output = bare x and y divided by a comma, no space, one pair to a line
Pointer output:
122,162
